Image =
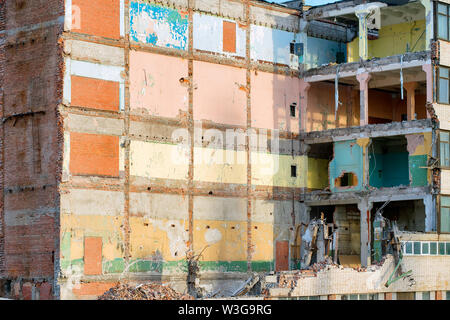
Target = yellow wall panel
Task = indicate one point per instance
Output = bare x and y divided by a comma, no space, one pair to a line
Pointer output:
158,239
224,241
218,165
158,160
275,170
317,173
263,241
393,39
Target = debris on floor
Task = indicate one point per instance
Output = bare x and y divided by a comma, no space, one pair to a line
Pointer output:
247,286
147,291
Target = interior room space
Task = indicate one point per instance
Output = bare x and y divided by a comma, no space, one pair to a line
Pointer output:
319,157
348,234
386,103
408,214
388,162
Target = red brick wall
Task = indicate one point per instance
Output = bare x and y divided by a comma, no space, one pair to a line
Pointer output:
30,143
99,17
93,154
95,93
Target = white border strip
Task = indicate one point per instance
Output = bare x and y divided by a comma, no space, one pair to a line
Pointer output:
67,92
122,18
96,71
68,17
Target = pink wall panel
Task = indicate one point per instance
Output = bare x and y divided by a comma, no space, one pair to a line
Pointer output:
271,98
155,87
219,93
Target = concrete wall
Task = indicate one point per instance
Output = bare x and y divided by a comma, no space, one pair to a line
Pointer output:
136,208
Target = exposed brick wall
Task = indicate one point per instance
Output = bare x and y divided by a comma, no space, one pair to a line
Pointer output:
99,17
31,144
95,93
93,154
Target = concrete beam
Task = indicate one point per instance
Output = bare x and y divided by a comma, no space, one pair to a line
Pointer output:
375,68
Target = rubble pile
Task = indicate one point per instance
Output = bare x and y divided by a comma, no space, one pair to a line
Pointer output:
326,264
289,279
147,291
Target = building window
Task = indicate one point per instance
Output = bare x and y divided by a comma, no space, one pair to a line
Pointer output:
442,21
441,248
294,171
444,148
417,246
425,248
409,248
293,107
443,85
445,214
433,248
426,295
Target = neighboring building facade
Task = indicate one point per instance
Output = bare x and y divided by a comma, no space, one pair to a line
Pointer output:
137,135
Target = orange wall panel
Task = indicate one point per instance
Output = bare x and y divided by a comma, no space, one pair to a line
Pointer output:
229,36
99,17
92,154
95,93
92,255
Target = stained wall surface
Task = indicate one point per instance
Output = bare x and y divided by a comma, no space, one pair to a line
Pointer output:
152,192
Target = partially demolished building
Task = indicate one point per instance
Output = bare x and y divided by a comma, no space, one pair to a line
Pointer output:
197,142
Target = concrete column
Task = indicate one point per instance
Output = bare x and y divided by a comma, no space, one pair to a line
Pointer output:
364,207
304,88
363,79
362,11
410,88
429,76
363,42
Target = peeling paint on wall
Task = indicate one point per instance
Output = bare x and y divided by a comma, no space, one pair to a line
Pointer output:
158,26
348,157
